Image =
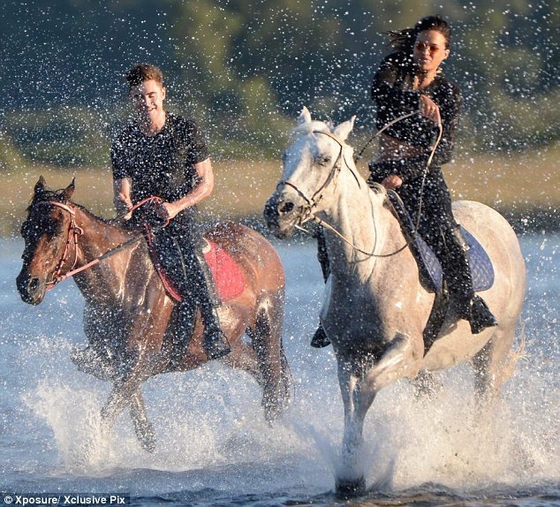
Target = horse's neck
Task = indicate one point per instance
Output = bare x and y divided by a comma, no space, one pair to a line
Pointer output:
367,230
97,239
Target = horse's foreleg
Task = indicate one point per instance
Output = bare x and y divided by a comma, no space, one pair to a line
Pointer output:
142,426
118,400
126,393
129,394
350,475
401,359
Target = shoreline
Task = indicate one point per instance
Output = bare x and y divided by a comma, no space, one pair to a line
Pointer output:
505,183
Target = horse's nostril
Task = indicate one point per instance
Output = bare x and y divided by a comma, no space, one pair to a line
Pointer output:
33,285
287,207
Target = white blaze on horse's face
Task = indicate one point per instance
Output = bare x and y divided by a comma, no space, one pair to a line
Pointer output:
309,168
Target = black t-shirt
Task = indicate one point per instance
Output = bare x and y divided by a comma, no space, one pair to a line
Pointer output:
161,165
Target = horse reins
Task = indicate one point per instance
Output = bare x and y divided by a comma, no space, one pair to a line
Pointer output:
311,203
74,232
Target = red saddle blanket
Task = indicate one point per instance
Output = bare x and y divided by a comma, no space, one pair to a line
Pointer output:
227,275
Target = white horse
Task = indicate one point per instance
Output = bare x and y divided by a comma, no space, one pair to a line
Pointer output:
375,308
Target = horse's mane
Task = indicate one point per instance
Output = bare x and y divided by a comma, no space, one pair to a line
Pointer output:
309,127
48,194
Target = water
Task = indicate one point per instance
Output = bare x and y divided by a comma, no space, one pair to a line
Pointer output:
214,447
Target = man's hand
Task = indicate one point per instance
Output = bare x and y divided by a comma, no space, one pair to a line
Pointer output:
154,213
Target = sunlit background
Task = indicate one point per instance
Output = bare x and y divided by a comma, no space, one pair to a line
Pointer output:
244,69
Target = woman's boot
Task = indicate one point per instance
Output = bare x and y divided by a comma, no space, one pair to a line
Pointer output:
471,306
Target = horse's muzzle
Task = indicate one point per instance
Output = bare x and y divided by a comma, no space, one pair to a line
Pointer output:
281,215
31,289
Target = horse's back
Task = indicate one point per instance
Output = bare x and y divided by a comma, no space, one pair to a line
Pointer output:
252,252
499,240
505,297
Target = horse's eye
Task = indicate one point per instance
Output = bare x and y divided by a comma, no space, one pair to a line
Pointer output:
322,160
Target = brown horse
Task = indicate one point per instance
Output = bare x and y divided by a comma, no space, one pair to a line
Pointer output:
128,312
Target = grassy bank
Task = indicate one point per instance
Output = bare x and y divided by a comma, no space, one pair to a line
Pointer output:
525,188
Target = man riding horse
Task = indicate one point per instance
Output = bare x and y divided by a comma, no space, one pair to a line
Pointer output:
163,155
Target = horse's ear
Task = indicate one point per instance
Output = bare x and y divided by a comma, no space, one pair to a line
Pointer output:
305,116
69,190
341,131
40,186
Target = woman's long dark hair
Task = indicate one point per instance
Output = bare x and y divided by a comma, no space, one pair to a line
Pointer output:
403,40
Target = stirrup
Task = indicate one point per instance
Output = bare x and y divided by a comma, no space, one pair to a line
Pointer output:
320,339
215,343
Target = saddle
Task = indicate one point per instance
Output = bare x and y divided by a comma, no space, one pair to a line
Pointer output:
228,278
431,273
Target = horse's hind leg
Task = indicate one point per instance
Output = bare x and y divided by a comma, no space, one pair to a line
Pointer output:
492,365
267,343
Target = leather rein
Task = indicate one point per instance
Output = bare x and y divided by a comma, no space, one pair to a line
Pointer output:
72,238
307,213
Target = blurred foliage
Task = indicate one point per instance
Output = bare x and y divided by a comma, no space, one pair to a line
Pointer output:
244,68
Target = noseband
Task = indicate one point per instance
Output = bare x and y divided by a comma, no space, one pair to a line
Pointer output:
307,211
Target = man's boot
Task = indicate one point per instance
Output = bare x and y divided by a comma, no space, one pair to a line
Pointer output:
184,316
214,340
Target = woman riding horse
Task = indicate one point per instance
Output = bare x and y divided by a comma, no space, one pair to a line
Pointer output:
411,81
164,155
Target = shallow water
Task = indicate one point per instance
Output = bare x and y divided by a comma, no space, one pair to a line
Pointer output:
214,447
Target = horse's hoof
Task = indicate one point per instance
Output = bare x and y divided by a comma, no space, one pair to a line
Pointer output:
347,489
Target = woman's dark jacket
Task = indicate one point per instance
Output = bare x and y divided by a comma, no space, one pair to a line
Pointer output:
394,97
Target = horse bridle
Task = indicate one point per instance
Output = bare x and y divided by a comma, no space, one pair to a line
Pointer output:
74,232
307,212
72,236
313,201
